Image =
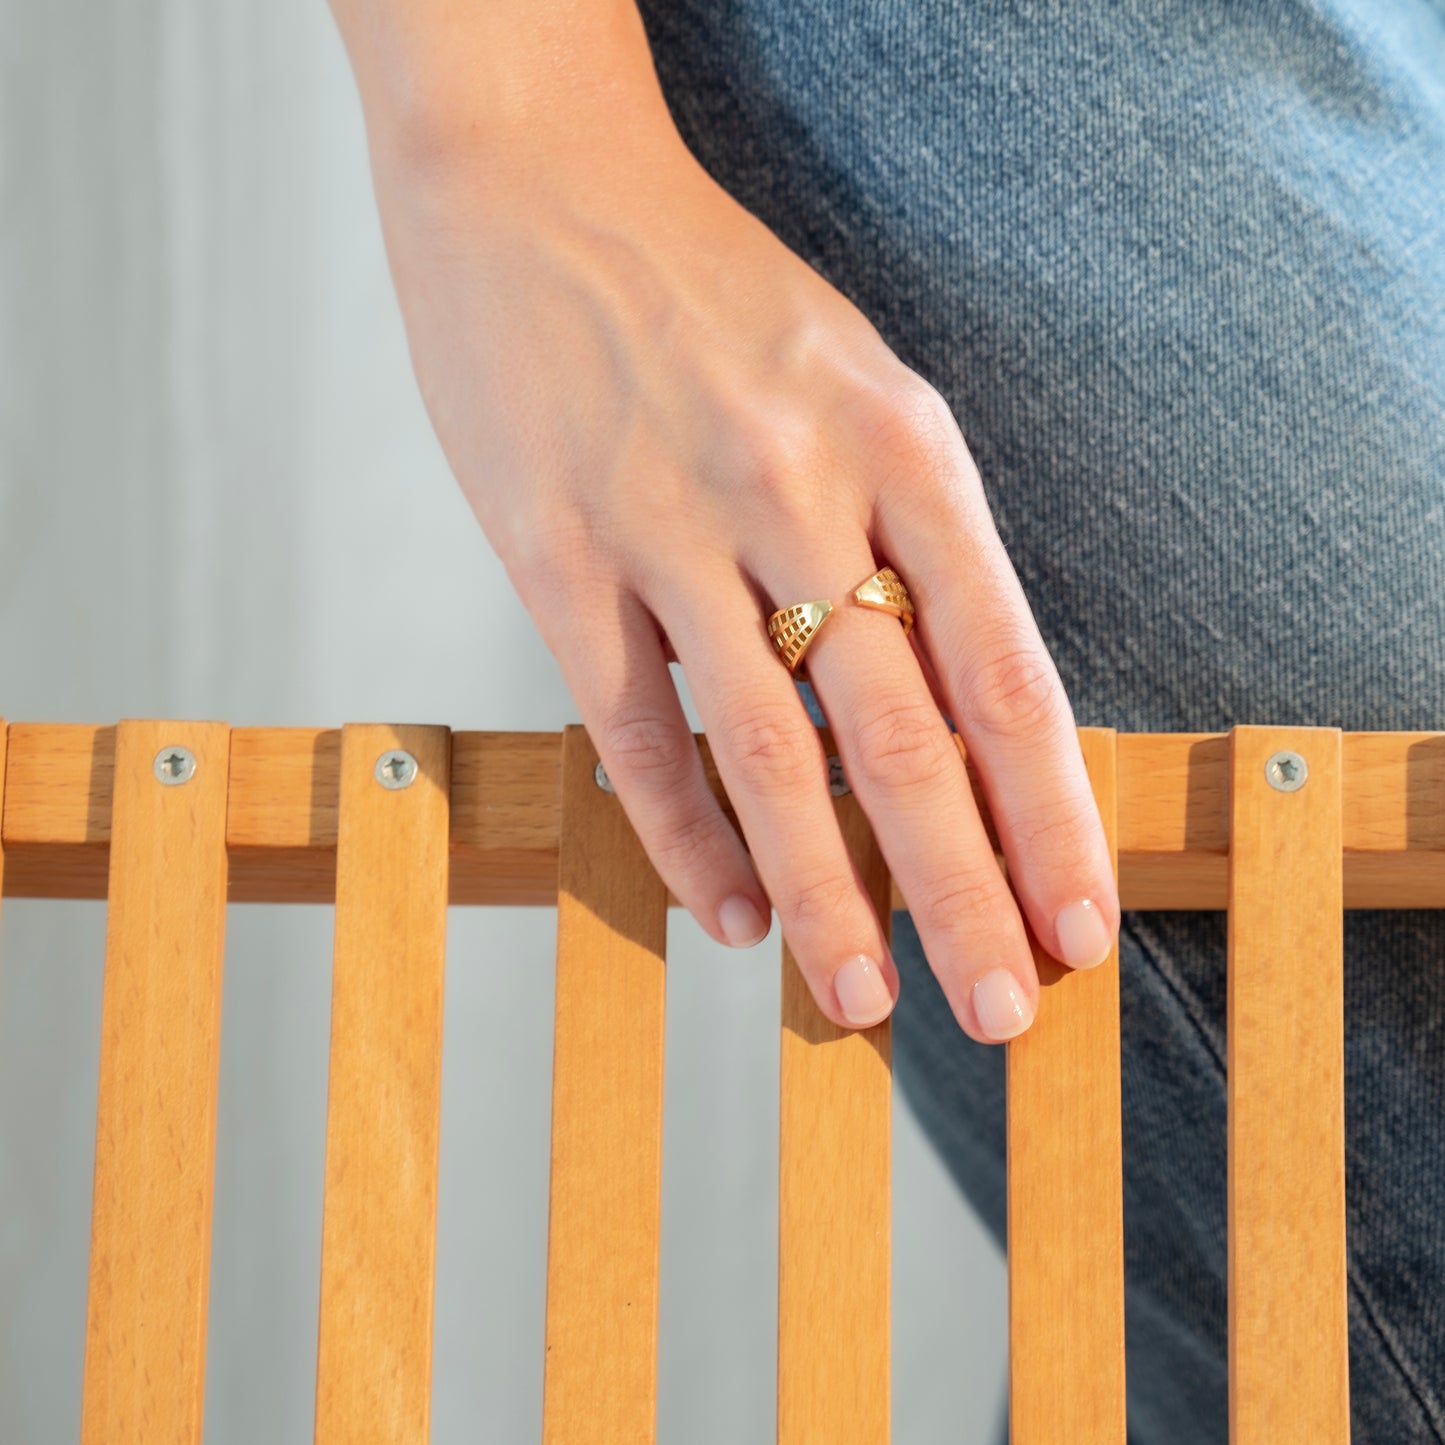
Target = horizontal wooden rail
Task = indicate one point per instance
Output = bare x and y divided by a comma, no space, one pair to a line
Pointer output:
284,782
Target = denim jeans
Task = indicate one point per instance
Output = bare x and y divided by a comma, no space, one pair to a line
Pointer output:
1178,269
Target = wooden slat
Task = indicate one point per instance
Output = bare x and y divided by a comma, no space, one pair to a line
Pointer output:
378,1241
56,827
150,1252
1173,818
1288,1335
600,1375
834,1221
1065,1190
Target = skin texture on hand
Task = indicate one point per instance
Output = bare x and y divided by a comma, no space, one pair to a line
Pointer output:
667,425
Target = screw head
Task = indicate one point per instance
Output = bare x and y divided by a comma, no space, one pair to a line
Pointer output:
395,769
838,785
174,766
599,774
1286,771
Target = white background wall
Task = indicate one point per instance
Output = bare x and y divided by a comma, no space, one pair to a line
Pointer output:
220,498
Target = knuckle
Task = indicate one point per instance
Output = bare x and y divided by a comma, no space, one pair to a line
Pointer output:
971,899
778,755
823,900
556,541
648,749
924,468
685,845
1015,692
555,566
914,424
1063,840
778,458
901,746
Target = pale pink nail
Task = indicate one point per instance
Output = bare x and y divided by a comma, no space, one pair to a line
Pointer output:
1002,1006
1083,934
741,923
862,993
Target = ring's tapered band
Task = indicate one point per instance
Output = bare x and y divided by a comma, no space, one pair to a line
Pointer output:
792,629
885,591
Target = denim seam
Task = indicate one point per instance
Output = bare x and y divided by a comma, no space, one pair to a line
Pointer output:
1371,1313
1395,1353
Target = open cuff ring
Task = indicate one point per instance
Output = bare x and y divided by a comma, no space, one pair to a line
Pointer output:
792,629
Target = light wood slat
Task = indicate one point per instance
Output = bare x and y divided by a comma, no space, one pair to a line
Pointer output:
1288,1336
150,1251
378,1240
1065,1190
834,1201
1173,818
600,1374
56,824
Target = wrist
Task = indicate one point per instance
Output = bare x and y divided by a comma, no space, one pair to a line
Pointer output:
501,85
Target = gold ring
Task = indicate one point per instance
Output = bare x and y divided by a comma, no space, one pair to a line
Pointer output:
792,629
885,591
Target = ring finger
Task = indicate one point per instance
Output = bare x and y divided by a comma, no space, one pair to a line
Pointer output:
904,765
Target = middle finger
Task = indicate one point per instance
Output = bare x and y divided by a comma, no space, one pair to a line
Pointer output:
903,764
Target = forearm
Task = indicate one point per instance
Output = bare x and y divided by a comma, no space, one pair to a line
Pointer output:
438,77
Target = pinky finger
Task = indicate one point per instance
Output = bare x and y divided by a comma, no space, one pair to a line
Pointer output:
617,672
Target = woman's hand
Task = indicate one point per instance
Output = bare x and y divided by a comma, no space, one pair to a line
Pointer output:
668,425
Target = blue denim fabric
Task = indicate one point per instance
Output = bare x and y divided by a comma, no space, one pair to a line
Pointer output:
1178,269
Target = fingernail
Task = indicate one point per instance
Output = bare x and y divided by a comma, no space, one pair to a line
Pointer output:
741,923
862,993
1002,1006
1083,934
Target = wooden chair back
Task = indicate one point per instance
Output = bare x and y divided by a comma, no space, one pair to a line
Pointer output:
170,820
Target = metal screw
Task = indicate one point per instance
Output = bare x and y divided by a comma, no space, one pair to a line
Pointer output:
603,781
174,766
396,769
1286,771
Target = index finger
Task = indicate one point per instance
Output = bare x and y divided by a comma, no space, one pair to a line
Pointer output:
1008,703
